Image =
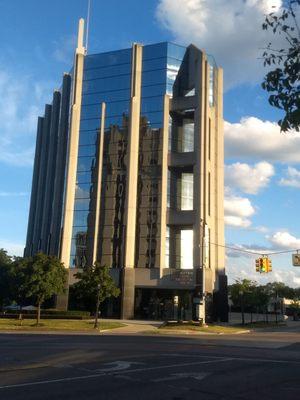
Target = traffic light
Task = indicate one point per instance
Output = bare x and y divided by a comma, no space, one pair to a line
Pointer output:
257,265
269,265
263,265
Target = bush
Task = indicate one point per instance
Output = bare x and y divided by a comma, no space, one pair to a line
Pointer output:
48,314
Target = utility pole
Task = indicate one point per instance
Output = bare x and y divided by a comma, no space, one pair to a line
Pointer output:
97,306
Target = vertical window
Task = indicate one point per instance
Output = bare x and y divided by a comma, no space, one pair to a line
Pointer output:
169,190
186,249
187,191
211,85
209,138
170,134
209,194
167,248
187,136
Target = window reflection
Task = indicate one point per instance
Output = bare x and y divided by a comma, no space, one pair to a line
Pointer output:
187,135
211,85
187,190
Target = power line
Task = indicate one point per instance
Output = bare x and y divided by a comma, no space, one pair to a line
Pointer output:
237,249
255,252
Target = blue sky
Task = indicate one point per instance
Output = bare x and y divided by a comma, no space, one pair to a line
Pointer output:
262,173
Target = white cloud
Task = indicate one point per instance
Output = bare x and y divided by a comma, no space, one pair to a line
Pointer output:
254,139
244,268
237,211
230,30
21,100
13,249
292,178
13,194
284,240
242,250
249,179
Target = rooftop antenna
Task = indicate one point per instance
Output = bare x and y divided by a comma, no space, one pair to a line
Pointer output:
87,26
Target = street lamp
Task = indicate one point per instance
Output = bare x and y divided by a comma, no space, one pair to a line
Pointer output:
97,306
241,293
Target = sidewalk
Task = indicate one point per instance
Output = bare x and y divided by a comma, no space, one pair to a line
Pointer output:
134,326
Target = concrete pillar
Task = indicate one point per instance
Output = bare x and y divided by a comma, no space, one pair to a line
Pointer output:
127,308
219,138
199,186
34,188
164,184
73,150
50,176
70,185
38,220
61,156
98,185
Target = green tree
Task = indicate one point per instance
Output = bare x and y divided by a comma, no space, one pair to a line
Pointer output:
5,265
45,276
263,299
295,307
94,285
241,294
18,281
283,82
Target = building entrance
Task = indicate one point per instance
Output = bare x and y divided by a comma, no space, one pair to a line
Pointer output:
163,304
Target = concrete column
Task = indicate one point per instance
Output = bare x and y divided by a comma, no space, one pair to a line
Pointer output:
70,186
220,251
50,176
199,186
127,310
38,220
98,185
34,188
164,184
73,150
61,156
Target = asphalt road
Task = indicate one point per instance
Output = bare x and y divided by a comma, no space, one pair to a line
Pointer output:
253,366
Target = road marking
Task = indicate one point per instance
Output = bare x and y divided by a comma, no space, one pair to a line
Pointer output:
195,375
118,366
216,359
75,378
238,358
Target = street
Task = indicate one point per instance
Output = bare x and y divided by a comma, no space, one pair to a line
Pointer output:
262,365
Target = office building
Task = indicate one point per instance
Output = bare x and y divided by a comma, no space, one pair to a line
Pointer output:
129,172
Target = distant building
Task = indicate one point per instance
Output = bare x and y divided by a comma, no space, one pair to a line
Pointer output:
128,171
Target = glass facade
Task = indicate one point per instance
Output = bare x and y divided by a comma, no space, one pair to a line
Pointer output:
107,78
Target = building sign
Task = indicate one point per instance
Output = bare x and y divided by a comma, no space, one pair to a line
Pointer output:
183,277
296,260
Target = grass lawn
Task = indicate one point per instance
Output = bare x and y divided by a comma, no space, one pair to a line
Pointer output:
55,324
204,329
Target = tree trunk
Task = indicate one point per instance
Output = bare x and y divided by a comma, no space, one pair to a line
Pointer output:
38,314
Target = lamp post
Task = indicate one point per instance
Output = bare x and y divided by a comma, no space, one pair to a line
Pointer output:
241,292
97,306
